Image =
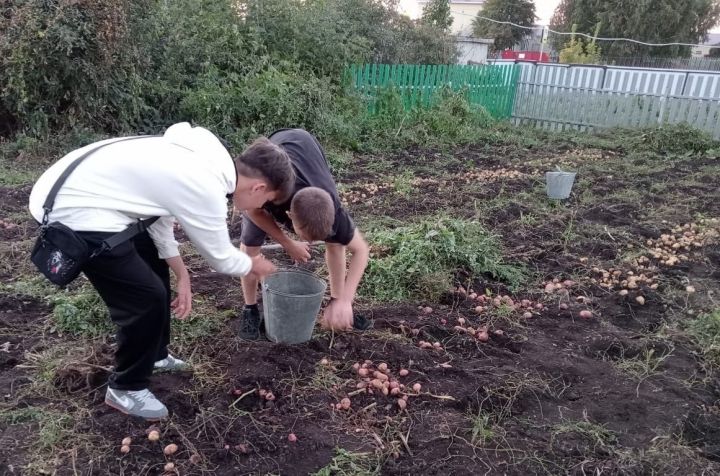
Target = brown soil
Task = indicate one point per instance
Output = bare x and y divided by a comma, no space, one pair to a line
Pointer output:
533,382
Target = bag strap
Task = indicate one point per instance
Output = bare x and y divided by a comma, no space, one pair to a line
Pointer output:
121,237
50,200
135,229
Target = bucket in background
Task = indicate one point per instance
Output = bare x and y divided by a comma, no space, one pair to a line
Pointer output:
291,302
559,184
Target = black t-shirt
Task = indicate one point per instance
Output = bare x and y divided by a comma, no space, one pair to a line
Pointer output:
311,170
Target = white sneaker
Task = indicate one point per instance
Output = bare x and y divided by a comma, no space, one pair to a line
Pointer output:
170,363
141,403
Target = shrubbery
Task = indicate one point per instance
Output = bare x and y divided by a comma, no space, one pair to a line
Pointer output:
240,68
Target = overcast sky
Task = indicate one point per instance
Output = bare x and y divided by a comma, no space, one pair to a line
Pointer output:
543,9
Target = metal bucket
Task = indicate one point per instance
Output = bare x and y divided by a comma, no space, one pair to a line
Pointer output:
291,302
559,184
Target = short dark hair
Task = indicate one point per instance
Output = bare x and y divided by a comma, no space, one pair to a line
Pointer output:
268,161
313,210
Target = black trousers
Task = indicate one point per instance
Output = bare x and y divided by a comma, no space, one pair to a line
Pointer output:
134,283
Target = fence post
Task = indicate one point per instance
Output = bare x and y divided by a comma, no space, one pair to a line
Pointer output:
663,102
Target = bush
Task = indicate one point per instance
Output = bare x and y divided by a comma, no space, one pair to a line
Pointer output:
240,68
679,139
451,119
65,64
421,260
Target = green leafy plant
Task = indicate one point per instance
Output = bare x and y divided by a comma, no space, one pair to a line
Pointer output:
81,314
422,259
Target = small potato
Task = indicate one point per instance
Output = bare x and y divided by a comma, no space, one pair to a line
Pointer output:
292,438
402,404
126,441
393,384
363,372
427,310
394,391
690,289
380,376
324,361
479,309
527,315
461,321
170,449
125,449
154,435
345,403
377,383
383,367
640,300
404,372
586,314
385,391
624,292
169,467
483,336
356,366
563,306
416,387
473,296
195,458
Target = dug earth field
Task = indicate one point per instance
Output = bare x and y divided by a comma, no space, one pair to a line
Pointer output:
517,335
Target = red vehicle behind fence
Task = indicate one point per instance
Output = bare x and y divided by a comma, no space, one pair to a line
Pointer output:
525,56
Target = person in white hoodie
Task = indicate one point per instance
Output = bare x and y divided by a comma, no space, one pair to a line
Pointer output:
188,176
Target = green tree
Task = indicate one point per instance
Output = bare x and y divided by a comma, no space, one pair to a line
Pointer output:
577,51
520,12
437,13
650,21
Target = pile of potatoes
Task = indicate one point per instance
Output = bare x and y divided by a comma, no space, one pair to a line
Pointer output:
676,246
363,192
484,175
379,380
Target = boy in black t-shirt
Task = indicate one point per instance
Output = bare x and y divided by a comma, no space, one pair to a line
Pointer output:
314,212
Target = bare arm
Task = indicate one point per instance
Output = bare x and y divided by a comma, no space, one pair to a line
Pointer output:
297,250
182,304
360,253
338,314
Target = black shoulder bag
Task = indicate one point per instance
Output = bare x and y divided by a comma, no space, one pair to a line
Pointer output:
59,253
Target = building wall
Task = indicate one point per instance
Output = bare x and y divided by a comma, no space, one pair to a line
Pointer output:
471,51
463,15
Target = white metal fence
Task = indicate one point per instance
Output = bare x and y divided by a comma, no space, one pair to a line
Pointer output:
556,96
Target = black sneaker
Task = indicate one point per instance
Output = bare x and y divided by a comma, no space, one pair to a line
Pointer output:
250,324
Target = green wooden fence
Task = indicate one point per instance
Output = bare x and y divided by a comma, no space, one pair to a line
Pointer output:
490,86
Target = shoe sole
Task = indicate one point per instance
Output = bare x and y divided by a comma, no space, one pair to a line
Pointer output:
111,404
161,370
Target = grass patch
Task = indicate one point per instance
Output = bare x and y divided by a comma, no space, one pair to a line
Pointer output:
422,259
594,432
644,365
705,331
82,313
346,463
53,427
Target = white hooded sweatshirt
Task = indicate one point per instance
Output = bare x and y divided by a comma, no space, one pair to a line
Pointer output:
185,174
